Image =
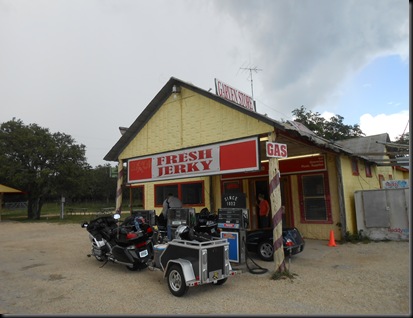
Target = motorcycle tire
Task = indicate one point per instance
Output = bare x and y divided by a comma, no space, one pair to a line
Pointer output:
176,281
136,267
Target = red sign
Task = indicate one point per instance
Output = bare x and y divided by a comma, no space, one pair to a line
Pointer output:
233,95
305,164
276,150
234,156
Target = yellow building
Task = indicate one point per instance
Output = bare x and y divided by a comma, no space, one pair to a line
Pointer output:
201,146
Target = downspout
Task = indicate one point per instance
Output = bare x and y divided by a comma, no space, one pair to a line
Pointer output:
341,205
211,196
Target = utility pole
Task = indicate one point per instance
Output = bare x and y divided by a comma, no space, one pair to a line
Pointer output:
255,69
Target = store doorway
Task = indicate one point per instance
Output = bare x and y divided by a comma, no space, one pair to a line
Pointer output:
260,185
257,186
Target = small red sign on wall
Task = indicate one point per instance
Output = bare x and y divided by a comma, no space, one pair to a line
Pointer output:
306,164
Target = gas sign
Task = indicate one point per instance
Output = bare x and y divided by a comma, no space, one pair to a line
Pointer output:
276,150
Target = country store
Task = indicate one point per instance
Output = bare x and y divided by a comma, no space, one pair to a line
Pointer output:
204,146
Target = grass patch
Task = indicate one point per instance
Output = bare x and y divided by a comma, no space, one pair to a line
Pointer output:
285,274
357,237
51,213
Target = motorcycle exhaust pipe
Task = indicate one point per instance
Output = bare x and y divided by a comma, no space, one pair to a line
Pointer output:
119,262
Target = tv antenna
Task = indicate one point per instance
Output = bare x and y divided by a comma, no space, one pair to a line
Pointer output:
255,69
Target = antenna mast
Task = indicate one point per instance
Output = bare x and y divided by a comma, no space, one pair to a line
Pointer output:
255,69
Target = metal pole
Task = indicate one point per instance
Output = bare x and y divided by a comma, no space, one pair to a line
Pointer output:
62,208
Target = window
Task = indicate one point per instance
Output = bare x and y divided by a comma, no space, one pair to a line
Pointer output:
381,179
136,197
368,169
354,167
190,193
315,198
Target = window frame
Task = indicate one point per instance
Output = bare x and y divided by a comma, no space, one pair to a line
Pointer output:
367,167
355,167
326,195
180,193
137,187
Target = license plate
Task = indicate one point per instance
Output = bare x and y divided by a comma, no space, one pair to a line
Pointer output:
143,253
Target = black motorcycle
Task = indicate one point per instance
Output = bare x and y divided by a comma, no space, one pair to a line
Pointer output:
129,243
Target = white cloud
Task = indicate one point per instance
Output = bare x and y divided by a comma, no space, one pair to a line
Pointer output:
393,124
327,115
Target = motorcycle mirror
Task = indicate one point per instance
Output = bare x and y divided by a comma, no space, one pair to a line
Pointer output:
116,216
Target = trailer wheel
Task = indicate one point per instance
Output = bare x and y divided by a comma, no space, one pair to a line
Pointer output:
176,281
221,281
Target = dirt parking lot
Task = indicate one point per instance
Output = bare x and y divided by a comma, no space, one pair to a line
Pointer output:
45,270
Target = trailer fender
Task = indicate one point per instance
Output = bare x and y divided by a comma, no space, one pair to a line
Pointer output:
186,266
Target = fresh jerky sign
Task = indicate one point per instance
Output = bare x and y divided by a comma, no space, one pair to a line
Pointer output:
233,95
229,157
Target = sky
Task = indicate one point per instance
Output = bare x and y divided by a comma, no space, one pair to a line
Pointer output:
87,67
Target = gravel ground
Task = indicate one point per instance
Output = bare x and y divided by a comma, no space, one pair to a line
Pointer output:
45,270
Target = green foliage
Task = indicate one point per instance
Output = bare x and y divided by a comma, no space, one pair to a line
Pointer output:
333,129
403,139
40,163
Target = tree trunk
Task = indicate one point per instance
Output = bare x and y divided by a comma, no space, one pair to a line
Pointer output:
34,207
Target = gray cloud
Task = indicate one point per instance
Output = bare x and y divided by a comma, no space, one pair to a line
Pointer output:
86,67
307,48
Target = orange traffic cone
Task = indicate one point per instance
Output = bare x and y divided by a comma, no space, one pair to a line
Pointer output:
332,241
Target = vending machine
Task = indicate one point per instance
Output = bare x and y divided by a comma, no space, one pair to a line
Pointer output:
177,217
233,223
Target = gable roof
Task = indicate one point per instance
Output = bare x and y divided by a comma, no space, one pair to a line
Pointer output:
158,101
296,134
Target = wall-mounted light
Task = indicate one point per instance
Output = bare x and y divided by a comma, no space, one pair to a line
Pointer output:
176,89
263,138
302,156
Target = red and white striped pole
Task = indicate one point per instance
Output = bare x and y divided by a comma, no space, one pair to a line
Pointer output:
119,188
276,210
